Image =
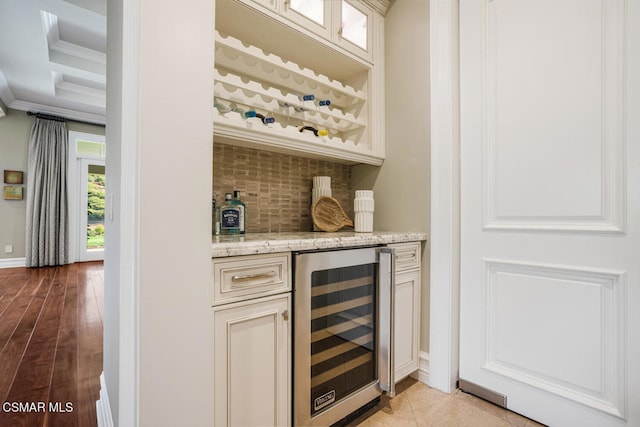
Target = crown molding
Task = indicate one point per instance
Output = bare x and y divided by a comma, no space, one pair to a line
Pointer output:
97,119
6,95
381,6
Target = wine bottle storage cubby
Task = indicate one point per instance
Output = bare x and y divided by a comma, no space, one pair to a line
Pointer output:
250,79
285,103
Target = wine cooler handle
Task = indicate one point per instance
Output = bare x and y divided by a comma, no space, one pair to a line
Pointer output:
386,371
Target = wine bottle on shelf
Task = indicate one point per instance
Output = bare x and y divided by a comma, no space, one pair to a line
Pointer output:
239,110
243,211
307,101
323,104
297,108
229,216
215,214
265,120
316,132
222,108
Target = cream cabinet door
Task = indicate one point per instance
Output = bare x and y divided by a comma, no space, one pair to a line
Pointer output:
314,15
354,24
252,363
406,324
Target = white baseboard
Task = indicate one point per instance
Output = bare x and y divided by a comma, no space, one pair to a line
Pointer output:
103,409
13,262
422,374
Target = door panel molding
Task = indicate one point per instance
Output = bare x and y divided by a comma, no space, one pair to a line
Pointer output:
594,336
567,356
525,171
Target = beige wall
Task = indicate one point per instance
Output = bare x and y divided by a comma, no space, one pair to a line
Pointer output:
403,182
14,147
14,137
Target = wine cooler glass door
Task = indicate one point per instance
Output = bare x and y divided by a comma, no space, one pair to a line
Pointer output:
336,329
343,319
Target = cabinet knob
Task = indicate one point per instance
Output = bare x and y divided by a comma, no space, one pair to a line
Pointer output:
285,315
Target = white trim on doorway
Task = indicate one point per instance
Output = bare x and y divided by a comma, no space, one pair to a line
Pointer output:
445,195
74,179
83,253
103,408
126,206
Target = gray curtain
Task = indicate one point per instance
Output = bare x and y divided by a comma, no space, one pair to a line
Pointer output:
47,216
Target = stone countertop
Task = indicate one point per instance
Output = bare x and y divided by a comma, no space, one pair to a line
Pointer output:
265,243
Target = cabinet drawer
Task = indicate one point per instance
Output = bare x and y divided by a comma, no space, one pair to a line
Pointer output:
237,278
407,255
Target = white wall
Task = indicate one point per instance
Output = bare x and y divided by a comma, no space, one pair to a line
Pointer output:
403,181
158,272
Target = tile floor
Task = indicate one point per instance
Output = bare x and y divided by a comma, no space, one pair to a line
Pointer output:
416,404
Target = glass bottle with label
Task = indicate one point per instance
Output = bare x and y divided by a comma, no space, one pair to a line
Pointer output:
215,215
243,211
229,216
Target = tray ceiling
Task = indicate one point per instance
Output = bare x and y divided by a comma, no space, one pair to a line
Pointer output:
53,56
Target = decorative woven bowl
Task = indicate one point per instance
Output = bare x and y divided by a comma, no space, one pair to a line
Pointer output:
328,215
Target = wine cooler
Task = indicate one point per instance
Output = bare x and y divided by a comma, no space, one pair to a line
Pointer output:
343,314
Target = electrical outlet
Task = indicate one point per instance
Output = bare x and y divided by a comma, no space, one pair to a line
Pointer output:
8,249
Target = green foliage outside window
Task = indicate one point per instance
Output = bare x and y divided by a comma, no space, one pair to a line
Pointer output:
95,202
95,211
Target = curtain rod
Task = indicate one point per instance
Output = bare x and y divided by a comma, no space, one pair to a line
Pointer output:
60,119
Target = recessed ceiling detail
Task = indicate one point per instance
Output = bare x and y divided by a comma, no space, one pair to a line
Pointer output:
68,53
76,89
53,57
98,6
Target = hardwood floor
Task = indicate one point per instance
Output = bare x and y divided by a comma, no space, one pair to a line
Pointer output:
50,345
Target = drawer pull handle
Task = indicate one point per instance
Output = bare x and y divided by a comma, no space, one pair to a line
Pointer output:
410,256
285,315
253,276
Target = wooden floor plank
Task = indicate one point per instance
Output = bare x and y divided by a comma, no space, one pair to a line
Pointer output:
13,313
51,344
98,288
89,339
9,287
7,284
64,382
35,370
14,348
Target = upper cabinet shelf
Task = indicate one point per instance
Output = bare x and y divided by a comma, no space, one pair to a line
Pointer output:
315,98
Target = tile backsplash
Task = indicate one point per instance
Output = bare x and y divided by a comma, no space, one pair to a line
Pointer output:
276,187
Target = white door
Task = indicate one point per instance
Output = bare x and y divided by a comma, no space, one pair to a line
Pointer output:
92,205
550,207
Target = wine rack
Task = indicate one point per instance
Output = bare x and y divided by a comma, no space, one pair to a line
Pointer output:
250,79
